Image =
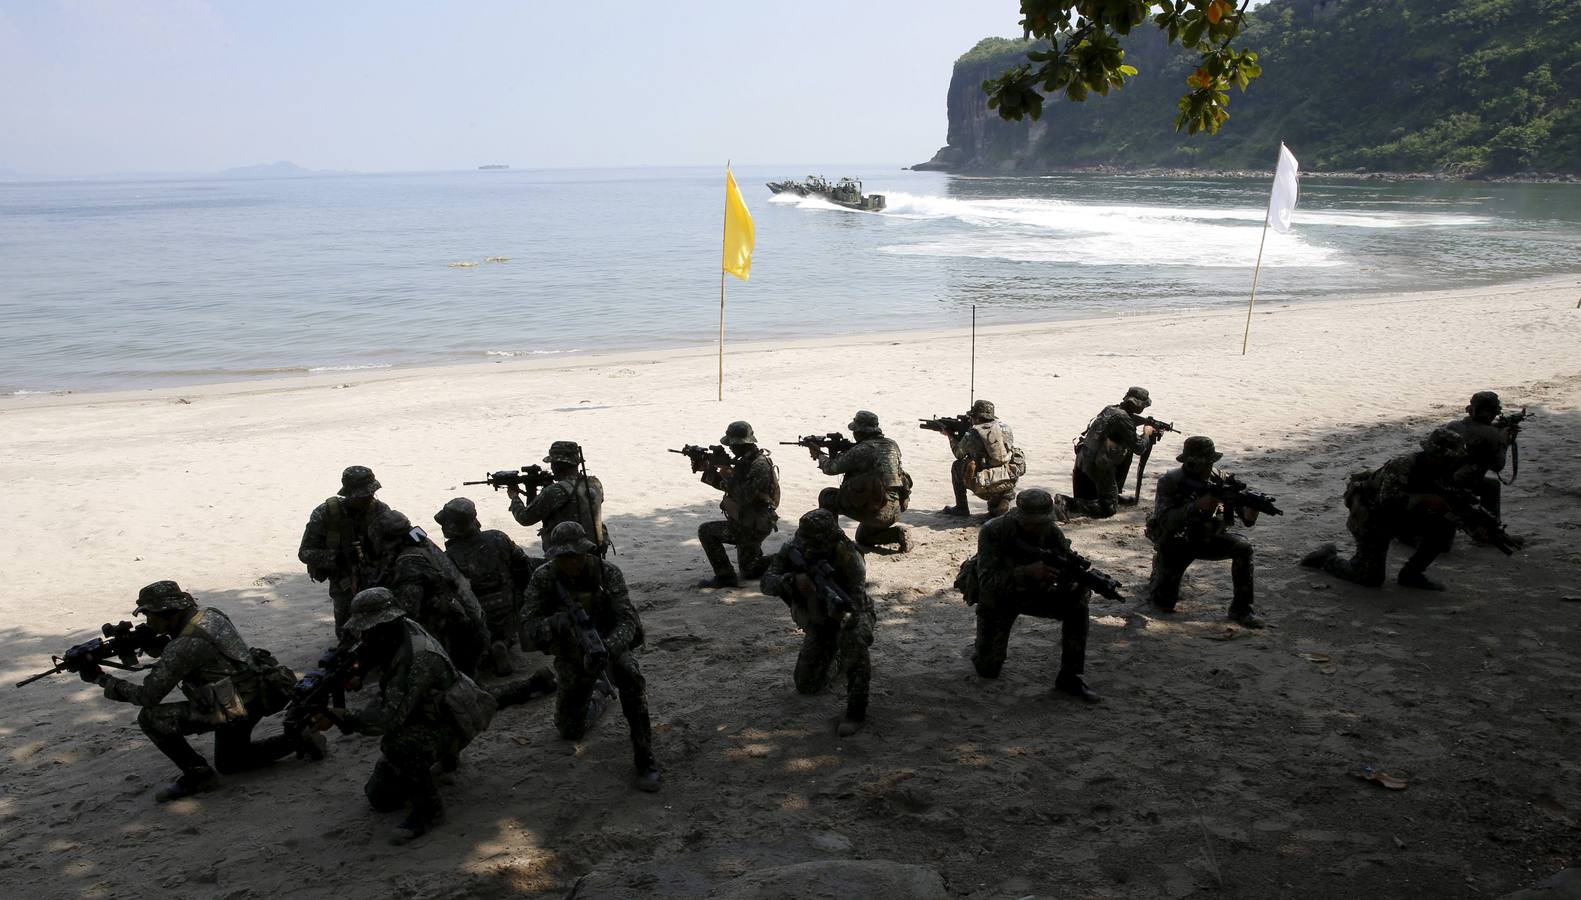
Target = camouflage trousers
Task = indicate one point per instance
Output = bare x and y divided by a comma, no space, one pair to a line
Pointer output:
1373,534
576,686
998,500
748,543
873,526
405,770
1095,486
340,595
499,611
830,646
463,640
996,617
1177,553
169,724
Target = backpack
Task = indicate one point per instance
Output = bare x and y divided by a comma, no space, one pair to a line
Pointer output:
966,580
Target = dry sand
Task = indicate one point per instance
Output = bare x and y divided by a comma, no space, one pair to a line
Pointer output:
1221,760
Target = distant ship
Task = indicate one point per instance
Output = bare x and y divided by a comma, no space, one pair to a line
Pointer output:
494,166
847,192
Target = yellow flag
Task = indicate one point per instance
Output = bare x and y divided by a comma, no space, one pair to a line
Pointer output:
740,235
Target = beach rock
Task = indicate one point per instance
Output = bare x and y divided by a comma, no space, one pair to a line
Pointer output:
1565,885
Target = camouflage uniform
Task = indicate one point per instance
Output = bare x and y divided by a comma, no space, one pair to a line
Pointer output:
1103,457
1404,495
979,468
426,712
827,643
430,589
228,691
752,489
335,545
1487,449
1182,533
600,591
874,489
1007,590
495,567
571,498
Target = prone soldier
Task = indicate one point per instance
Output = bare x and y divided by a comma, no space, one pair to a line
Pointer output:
1104,453
497,570
820,575
579,611
432,590
874,491
573,496
1193,509
987,461
752,491
335,545
229,687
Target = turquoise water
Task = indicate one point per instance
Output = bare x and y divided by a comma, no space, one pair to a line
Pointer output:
134,284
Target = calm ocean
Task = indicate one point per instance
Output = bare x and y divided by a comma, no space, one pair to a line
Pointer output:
124,284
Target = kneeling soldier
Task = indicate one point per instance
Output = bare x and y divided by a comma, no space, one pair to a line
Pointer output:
425,711
429,587
229,688
752,491
1191,518
495,567
820,575
578,611
987,462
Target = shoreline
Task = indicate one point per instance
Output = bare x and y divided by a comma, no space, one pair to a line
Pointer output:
294,381
1180,173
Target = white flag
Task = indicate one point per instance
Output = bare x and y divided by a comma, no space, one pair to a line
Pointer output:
1283,202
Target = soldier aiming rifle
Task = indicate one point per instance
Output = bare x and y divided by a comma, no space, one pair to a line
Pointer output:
119,648
527,480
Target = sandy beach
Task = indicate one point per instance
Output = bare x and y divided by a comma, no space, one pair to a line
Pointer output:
1221,761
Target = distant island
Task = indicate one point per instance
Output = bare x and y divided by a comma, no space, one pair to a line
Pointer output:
493,166
1405,88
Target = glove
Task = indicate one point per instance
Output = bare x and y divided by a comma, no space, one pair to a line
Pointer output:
90,673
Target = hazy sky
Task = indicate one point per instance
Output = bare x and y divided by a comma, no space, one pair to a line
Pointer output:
95,86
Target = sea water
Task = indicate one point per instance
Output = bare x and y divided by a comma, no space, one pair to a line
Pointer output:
127,284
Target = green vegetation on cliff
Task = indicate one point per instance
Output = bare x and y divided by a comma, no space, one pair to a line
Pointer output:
1452,86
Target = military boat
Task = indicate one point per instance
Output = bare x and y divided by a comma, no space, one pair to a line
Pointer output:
846,192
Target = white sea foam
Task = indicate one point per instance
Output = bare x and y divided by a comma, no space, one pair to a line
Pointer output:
530,352
349,368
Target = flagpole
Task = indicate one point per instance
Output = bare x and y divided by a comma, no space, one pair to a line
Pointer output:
724,237
974,354
1255,272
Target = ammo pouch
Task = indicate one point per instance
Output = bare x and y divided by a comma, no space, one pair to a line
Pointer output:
966,580
470,708
993,481
905,490
275,682
216,703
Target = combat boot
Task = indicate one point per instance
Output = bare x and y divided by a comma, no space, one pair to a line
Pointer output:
728,579
192,781
500,657
855,718
1076,686
421,821
1320,557
311,745
648,780
1413,578
1246,617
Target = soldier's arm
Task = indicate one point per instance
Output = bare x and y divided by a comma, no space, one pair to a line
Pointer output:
522,566
551,498
410,584
776,578
761,481
1122,430
995,571
851,572
540,604
1172,506
180,658
626,622
312,551
853,460
403,690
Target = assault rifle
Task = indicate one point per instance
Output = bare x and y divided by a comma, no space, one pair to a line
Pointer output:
1075,567
1234,494
1147,451
528,479
834,442
324,687
705,458
827,592
118,649
593,651
954,426
1513,423
1476,520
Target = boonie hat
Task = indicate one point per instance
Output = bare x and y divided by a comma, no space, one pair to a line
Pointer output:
371,608
1199,447
358,481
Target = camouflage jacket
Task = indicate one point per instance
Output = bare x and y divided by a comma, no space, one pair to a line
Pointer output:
751,489
208,649
878,456
1485,448
429,588
412,686
570,499
1002,550
1111,436
601,592
1175,510
335,545
496,568
1388,491
850,573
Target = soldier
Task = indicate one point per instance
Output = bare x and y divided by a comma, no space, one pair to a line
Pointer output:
1103,456
578,610
987,461
495,567
875,489
431,590
1011,579
752,491
229,687
573,497
335,545
1410,493
820,575
1188,523
1487,447
426,711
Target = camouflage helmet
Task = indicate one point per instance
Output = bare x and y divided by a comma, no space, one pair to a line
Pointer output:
371,608
458,510
564,452
864,421
738,433
163,597
1139,396
1199,447
358,481
982,409
1445,443
818,528
568,538
391,525
1485,401
1035,506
